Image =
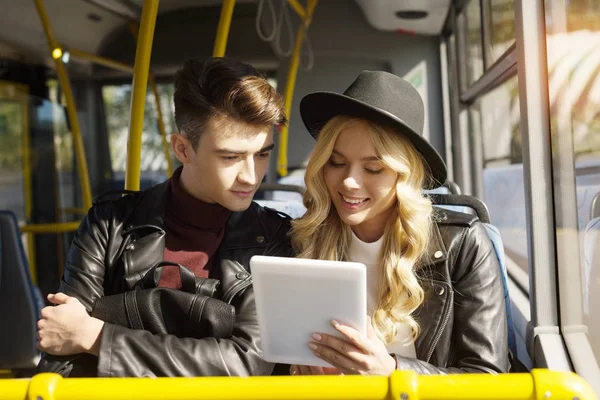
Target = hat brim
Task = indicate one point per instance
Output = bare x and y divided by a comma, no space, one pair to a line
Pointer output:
316,109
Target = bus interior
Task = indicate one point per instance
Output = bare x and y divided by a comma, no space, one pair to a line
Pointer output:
512,102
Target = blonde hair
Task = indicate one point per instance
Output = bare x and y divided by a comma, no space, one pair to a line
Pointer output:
320,234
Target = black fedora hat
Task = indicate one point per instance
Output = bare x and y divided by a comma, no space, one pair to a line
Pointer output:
383,98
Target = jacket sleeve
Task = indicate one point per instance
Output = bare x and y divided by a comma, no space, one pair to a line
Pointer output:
135,353
479,339
85,266
83,279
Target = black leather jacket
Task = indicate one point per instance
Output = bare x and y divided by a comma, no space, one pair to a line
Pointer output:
463,318
120,240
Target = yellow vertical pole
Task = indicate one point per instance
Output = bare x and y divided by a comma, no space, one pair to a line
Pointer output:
138,97
63,78
223,29
282,161
161,125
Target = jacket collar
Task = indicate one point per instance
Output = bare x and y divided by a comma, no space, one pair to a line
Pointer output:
144,234
150,212
438,293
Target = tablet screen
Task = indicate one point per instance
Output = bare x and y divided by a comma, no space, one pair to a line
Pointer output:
296,297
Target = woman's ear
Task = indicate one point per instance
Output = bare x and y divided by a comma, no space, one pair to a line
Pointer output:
182,148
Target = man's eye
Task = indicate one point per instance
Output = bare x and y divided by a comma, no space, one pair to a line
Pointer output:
230,158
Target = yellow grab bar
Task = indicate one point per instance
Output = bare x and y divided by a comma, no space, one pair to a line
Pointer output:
58,227
298,8
405,385
138,97
290,85
63,78
107,62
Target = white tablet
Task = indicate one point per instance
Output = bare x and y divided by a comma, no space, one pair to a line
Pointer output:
296,297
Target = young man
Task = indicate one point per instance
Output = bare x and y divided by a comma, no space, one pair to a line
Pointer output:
202,218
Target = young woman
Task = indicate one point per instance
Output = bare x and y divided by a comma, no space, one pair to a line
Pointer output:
435,294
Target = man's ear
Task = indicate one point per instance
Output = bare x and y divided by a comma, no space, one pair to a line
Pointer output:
182,148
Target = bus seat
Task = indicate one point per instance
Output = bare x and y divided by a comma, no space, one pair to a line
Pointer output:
20,302
595,207
462,203
280,192
447,188
587,204
591,273
293,208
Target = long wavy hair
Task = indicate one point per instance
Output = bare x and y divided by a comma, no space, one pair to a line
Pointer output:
320,234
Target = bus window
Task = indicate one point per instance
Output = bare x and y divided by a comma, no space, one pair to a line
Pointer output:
501,22
497,115
573,47
13,114
117,101
474,43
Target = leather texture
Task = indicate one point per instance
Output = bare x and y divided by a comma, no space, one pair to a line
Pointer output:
116,245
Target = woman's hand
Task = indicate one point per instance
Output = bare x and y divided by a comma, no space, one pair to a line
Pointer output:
359,354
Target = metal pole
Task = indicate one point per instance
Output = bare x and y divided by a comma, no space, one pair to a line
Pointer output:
63,78
298,8
138,97
282,160
223,29
101,60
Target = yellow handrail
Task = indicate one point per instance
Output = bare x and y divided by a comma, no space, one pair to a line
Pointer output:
75,210
405,385
298,8
107,62
282,161
58,227
223,29
138,97
63,78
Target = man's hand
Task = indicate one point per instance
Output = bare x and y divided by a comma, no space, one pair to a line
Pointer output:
67,328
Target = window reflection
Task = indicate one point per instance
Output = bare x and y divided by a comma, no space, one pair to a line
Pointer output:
474,44
501,22
117,106
503,186
573,48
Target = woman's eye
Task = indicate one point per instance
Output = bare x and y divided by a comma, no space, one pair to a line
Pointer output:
335,165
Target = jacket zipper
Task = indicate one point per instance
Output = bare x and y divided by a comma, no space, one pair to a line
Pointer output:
438,334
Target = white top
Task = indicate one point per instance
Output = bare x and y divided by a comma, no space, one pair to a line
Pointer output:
368,254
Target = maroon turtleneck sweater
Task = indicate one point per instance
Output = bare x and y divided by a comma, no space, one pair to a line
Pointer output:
194,231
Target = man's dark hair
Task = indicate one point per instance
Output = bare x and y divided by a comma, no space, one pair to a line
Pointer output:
223,87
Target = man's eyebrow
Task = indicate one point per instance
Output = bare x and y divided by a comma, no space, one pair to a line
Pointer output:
370,158
230,151
267,148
